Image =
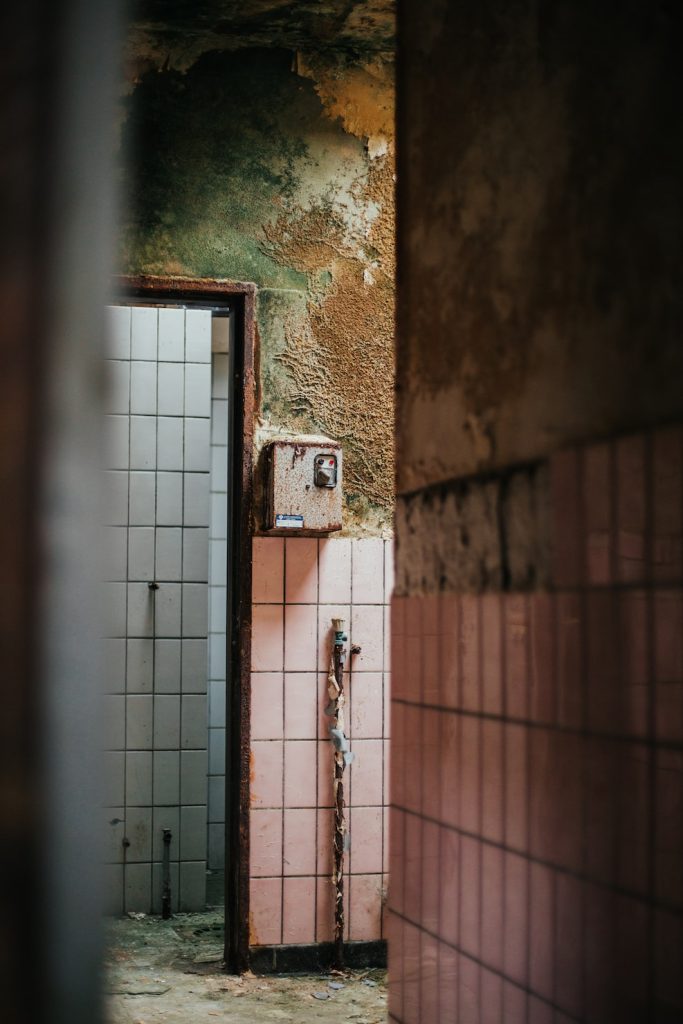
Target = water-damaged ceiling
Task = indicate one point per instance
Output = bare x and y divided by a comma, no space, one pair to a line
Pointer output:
182,28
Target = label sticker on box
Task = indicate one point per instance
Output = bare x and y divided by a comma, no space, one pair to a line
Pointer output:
289,522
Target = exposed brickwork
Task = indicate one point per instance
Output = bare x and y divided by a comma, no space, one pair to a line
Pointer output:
475,534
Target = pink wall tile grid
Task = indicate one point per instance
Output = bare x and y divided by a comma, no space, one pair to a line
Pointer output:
537,767
299,586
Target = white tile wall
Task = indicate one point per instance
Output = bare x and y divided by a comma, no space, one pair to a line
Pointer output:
172,335
156,656
171,389
218,602
143,337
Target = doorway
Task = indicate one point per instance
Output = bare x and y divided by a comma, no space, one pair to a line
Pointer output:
178,515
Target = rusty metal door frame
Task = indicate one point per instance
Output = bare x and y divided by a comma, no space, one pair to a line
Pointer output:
240,529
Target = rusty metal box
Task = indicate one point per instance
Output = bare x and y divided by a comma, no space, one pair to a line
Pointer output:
304,486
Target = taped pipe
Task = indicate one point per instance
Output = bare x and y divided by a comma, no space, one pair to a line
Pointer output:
341,757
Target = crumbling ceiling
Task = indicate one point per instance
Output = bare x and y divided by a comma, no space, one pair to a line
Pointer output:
183,28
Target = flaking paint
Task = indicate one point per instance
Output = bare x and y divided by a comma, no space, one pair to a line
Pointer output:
275,167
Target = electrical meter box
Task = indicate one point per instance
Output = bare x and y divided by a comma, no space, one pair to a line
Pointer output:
304,486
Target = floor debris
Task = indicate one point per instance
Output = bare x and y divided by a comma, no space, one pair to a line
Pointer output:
170,972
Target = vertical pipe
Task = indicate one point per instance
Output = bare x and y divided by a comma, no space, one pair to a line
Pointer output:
339,840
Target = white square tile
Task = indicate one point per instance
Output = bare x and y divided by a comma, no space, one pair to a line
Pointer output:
172,334
220,369
140,620
217,703
194,666
197,336
115,554
193,764
116,442
216,840
141,553
217,655
193,833
114,660
142,498
197,449
195,609
116,498
169,553
139,721
140,666
118,332
167,666
167,722
219,469
115,609
139,831
169,499
218,597
118,386
143,388
196,555
194,722
170,442
196,499
143,442
192,885
171,397
218,562
221,333
216,846
168,606
197,389
138,778
219,421
217,798
219,516
216,751
143,335
166,777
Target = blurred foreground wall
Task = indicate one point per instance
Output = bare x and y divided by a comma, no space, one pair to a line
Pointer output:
57,70
537,767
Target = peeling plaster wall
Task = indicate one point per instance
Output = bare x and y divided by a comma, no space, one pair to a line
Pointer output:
272,167
539,236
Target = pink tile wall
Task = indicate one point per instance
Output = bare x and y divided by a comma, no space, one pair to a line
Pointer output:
537,768
299,586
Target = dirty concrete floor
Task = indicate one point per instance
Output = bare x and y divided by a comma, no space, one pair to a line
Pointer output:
169,972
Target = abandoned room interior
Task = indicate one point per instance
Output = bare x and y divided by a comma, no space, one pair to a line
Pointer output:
341,546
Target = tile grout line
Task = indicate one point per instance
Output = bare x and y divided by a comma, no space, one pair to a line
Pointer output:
125,624
284,759
153,594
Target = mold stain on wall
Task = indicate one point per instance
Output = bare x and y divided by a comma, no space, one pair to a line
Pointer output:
275,167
